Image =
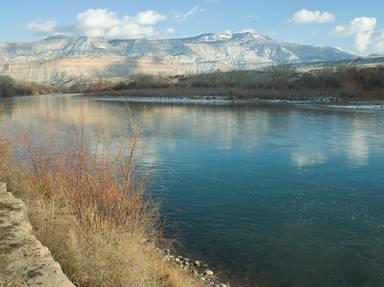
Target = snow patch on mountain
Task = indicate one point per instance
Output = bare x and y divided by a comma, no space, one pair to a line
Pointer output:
60,58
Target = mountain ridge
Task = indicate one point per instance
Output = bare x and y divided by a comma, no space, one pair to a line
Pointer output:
62,59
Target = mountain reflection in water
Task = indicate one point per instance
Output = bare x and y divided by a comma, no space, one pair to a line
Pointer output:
282,195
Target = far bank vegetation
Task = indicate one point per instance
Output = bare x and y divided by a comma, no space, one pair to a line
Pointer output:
9,87
277,82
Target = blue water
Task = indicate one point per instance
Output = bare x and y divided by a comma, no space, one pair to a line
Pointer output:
271,194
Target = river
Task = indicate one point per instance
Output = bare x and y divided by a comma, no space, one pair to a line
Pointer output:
278,194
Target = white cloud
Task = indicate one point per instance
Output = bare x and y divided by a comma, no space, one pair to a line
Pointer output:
357,25
363,29
379,41
362,41
305,16
183,16
149,17
42,26
251,17
96,22
129,30
248,30
170,30
105,23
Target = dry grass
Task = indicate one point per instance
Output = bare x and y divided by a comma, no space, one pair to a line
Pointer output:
4,150
3,147
90,208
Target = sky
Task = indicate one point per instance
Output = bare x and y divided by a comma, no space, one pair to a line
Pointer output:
355,26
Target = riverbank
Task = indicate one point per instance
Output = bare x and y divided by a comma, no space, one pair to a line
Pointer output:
95,216
39,268
361,105
101,254
24,261
218,94
284,83
12,88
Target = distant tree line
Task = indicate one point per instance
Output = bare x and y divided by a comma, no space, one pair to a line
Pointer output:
346,79
9,87
278,81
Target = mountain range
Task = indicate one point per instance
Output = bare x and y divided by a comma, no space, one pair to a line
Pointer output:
64,60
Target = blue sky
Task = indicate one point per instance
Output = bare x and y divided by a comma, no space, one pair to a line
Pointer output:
355,26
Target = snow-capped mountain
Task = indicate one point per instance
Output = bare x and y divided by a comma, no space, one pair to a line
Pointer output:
64,59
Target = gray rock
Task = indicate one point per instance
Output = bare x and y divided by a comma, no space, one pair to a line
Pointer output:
208,273
25,262
197,263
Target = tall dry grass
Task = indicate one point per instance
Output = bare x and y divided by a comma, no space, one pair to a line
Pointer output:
88,205
3,146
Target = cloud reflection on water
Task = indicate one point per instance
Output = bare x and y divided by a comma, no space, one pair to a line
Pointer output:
308,141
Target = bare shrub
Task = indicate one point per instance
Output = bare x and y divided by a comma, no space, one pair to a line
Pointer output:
275,82
9,87
88,205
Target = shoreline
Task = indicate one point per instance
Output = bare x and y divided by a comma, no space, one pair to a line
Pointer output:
176,252
24,253
352,104
198,269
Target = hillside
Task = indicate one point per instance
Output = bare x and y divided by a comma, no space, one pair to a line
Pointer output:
63,60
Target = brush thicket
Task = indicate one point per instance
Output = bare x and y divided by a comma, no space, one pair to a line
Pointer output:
88,205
